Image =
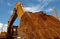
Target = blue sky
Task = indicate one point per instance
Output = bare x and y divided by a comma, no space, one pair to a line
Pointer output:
7,6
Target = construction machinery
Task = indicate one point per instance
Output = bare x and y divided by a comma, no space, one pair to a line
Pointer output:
11,29
18,12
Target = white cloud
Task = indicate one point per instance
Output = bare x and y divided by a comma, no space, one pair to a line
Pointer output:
11,12
31,9
46,0
3,27
35,8
44,3
39,0
38,7
9,4
49,9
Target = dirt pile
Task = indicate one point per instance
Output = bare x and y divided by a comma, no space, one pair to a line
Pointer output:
39,26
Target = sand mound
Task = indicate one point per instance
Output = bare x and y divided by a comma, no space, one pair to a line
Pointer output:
39,26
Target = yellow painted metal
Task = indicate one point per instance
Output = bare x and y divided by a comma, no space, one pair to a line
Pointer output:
20,9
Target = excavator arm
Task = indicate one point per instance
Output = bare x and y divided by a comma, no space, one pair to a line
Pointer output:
11,21
18,12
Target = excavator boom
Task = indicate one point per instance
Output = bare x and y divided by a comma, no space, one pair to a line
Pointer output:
18,12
